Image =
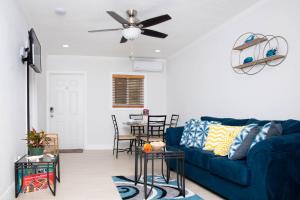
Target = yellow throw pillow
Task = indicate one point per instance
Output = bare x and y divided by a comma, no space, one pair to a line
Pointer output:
214,137
222,149
217,134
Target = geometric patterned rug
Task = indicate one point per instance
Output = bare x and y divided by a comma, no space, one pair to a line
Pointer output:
161,190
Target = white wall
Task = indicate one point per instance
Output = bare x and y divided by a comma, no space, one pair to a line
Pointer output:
99,106
13,35
200,80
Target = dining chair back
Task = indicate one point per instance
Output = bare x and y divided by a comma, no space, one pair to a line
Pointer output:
173,121
137,130
156,126
116,128
118,137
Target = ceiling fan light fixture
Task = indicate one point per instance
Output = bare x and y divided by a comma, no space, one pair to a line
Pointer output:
131,33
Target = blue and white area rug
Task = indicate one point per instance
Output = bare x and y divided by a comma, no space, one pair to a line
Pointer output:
162,190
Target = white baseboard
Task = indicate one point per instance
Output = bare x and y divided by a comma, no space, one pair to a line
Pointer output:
9,194
99,147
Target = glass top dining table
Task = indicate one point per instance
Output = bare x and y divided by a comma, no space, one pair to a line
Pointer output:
135,123
140,123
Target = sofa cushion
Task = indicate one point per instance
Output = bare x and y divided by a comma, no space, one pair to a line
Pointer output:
227,121
198,134
188,128
217,135
231,170
242,142
224,146
267,131
290,126
198,157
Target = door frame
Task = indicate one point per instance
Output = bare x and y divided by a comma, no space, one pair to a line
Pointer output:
84,74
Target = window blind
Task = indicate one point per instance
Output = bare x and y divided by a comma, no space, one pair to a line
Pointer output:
128,91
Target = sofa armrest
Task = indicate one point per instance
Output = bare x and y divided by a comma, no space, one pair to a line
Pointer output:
275,164
173,136
285,143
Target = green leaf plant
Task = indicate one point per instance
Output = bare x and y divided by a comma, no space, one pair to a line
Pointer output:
36,139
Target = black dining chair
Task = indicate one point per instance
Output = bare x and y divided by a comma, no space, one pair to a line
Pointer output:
173,121
136,129
155,128
118,137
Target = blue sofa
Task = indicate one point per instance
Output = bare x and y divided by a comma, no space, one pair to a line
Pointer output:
270,171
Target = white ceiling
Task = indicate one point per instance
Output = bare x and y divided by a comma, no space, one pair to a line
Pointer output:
191,19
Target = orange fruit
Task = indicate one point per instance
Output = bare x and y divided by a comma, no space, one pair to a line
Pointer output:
147,147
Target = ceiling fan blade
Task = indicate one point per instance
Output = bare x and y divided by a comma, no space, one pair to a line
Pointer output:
118,17
153,33
155,20
104,30
123,40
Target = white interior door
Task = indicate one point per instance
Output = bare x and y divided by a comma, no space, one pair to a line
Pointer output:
66,109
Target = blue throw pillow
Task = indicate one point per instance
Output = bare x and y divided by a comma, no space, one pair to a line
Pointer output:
198,135
243,141
269,130
186,132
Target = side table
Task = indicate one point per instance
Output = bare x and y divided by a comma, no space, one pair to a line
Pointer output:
45,162
167,154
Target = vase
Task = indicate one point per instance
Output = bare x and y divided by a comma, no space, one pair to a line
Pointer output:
36,151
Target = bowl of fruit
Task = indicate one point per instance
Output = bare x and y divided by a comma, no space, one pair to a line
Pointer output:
157,146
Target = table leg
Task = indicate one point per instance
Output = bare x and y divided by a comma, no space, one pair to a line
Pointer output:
17,191
141,165
167,177
162,169
145,176
180,176
53,191
152,178
58,168
135,167
177,174
183,177
168,171
54,177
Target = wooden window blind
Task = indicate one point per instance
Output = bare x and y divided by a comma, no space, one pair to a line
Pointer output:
128,91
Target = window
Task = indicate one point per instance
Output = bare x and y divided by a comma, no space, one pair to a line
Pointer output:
128,91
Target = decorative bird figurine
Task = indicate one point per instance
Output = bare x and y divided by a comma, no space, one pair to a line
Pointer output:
250,38
248,60
271,52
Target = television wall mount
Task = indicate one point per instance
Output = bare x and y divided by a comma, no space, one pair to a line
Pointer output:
24,54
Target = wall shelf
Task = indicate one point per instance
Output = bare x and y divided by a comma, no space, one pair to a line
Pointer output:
250,44
260,61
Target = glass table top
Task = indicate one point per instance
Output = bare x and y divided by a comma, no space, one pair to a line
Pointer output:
38,159
166,149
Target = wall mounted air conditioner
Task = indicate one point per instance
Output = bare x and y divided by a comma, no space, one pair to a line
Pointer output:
147,65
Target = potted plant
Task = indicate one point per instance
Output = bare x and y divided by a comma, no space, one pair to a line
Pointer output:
36,142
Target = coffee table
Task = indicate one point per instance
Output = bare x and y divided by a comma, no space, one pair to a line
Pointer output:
46,162
166,154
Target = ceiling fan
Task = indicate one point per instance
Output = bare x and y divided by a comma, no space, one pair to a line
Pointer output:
132,27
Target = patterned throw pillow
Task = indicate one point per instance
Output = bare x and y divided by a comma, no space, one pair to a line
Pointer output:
186,132
222,149
269,130
242,142
199,133
216,135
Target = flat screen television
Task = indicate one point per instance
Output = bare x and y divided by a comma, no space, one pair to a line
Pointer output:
34,52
